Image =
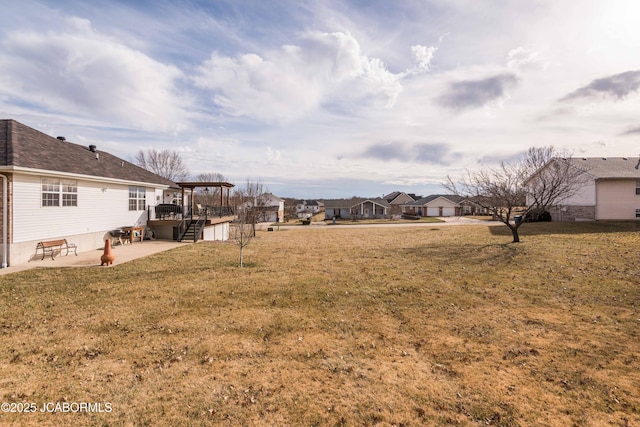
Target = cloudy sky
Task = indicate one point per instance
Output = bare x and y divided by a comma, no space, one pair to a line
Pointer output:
327,98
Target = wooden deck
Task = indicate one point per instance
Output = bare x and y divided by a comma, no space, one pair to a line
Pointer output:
172,222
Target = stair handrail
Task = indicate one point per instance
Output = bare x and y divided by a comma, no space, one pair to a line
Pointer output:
195,225
183,225
199,225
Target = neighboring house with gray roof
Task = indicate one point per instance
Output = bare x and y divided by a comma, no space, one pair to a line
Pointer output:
435,205
396,200
356,208
610,191
56,189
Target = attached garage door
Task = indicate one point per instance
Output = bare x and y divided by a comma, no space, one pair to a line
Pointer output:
448,211
433,211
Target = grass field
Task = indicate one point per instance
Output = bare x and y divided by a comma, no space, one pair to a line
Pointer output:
443,326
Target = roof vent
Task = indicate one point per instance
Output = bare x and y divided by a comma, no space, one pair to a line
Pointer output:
92,148
61,138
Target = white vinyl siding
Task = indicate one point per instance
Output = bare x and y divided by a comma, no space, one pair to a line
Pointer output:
101,207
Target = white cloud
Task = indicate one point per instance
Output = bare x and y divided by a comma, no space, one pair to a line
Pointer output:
524,58
78,71
302,84
423,55
274,156
283,85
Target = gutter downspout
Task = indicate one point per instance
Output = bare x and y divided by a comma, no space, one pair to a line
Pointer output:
5,231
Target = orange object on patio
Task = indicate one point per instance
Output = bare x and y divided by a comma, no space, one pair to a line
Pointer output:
134,233
108,256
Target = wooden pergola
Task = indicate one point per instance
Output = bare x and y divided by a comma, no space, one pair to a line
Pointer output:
206,184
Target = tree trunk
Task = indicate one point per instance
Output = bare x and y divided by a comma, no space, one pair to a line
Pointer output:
514,232
241,263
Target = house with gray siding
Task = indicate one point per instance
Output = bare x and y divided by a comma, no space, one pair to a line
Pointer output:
357,208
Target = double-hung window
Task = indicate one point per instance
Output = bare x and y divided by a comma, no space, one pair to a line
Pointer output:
69,191
59,192
137,198
637,187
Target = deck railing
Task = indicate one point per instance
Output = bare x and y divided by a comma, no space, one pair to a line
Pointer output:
174,212
219,211
165,211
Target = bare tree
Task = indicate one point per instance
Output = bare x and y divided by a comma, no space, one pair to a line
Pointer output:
242,233
290,206
244,227
522,189
166,163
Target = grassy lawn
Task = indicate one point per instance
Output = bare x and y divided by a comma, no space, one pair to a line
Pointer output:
444,326
427,219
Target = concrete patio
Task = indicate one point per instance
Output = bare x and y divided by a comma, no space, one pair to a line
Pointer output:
123,253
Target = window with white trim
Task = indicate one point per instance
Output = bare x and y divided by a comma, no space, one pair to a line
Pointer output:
137,198
637,213
637,187
69,191
59,192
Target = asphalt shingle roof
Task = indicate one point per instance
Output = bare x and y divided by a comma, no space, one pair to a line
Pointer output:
425,200
354,201
22,146
609,167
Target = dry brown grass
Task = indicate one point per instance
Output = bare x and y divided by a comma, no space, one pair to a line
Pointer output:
397,326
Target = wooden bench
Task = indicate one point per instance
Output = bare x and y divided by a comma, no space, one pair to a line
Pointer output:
50,247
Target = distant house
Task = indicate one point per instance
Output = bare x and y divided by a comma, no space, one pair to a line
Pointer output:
308,208
435,205
54,189
610,191
270,208
396,200
339,208
357,208
470,206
